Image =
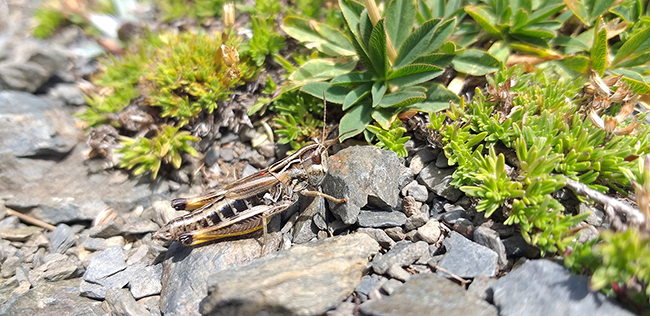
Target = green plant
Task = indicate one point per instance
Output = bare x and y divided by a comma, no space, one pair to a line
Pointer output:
266,41
197,9
399,59
544,123
148,154
524,26
48,21
391,139
296,121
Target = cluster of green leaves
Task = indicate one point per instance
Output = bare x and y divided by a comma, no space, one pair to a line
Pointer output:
298,118
181,75
187,78
613,260
47,22
526,26
266,40
197,9
148,154
394,82
552,140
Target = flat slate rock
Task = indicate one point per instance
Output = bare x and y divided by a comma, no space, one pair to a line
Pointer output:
380,219
34,127
186,269
307,279
543,287
364,175
53,298
107,263
429,294
466,258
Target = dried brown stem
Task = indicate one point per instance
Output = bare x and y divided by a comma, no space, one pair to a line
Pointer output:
30,220
612,206
462,281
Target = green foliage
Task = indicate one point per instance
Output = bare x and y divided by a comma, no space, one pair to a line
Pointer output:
540,121
266,41
619,263
297,124
197,9
48,21
591,50
148,154
399,57
391,139
525,26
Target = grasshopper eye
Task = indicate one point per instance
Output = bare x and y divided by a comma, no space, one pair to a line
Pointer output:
315,157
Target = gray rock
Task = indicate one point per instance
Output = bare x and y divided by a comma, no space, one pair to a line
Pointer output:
139,225
146,280
10,222
595,218
437,180
343,309
397,272
405,177
364,175
121,303
380,219
516,246
211,155
226,153
305,228
429,294
22,76
416,221
34,127
184,286
392,285
421,159
68,93
152,304
453,216
379,236
430,232
9,266
314,278
402,254
20,233
53,298
418,192
107,263
99,288
588,233
62,238
442,161
107,230
63,191
396,233
99,244
467,259
56,267
480,286
543,287
490,238
366,285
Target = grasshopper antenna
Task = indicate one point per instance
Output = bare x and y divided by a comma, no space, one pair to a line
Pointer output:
324,116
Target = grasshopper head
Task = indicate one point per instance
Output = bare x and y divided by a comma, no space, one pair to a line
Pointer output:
315,163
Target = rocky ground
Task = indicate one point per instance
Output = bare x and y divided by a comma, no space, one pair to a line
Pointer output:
76,233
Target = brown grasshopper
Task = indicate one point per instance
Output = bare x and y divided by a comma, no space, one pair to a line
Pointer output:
248,204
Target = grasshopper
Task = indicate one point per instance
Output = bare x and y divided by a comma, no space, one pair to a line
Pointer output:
247,205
